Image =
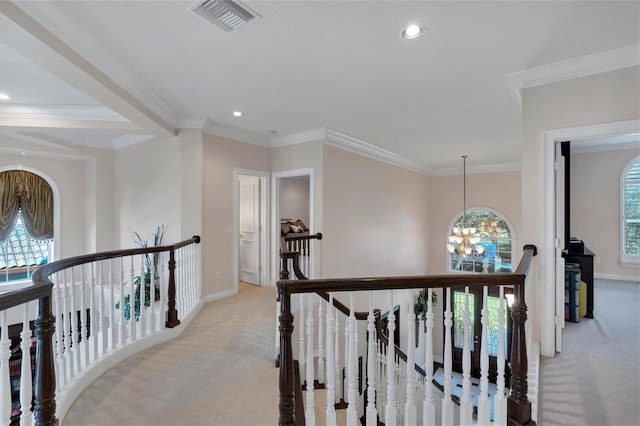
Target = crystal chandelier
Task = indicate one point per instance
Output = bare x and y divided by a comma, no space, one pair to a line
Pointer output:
463,239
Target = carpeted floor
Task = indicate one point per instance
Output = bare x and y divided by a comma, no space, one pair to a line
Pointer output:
220,371
595,380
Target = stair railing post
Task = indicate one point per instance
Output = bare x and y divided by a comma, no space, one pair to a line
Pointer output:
518,406
286,405
44,388
172,313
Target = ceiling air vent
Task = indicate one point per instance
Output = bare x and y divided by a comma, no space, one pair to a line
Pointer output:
229,15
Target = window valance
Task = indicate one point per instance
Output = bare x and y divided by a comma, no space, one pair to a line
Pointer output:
26,191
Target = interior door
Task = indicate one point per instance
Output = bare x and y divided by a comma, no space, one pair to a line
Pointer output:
249,227
475,309
561,198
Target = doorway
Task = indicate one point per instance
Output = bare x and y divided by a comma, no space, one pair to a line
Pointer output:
292,198
250,227
552,264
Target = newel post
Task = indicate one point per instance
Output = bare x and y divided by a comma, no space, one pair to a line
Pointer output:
286,406
44,388
172,314
518,406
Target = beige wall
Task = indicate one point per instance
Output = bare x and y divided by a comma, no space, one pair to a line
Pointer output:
375,217
147,180
294,199
220,156
595,207
602,98
499,191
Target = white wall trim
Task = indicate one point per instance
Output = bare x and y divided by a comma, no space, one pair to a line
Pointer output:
547,300
300,137
616,277
490,168
220,295
366,149
609,60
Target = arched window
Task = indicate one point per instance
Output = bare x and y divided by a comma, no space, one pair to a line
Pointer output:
481,241
26,224
630,213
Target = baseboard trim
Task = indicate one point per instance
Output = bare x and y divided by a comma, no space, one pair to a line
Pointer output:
615,277
219,295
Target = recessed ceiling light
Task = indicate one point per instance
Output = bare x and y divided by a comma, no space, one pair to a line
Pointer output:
4,97
412,31
23,153
237,113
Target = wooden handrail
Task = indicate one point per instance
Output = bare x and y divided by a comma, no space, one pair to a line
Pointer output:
518,406
317,236
44,386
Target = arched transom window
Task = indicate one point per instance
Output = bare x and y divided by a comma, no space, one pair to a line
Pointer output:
481,241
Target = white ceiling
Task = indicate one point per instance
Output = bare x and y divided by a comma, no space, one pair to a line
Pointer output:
111,73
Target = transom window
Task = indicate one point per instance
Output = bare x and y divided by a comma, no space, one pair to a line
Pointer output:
630,214
488,237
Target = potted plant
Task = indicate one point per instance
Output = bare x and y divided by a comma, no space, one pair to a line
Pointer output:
151,266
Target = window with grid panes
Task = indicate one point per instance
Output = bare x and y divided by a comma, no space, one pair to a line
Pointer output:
630,214
20,254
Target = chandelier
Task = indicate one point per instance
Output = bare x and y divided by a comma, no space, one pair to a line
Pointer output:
463,239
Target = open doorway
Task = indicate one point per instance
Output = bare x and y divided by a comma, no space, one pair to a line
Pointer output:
552,295
292,202
250,227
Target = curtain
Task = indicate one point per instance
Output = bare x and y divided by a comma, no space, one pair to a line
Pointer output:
29,192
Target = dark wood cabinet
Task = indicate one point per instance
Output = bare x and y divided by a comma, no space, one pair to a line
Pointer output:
585,260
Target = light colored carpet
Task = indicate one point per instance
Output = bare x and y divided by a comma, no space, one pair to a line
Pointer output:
220,371
595,380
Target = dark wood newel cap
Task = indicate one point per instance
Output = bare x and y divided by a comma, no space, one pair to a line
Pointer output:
531,247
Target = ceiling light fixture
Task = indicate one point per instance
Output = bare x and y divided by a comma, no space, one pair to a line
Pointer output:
4,97
412,31
237,113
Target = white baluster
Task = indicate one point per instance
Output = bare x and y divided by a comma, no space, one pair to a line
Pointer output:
61,372
93,317
484,404
447,403
113,324
73,317
142,320
352,413
84,330
410,414
302,359
499,401
310,414
5,383
429,407
390,409
67,327
371,413
466,406
381,379
26,386
321,353
337,375
331,355
122,326
132,313
102,319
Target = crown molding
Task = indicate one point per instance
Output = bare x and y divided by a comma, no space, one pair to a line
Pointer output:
227,132
60,112
300,137
489,168
609,60
358,146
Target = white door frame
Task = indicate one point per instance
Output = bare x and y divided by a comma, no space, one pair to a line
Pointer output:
264,220
548,292
275,213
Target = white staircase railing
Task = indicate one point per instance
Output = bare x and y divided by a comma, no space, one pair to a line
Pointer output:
104,307
377,381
